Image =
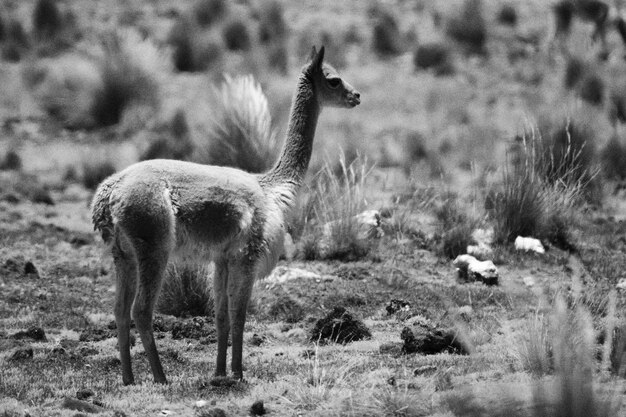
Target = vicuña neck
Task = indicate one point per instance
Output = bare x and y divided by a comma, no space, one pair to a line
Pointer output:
296,153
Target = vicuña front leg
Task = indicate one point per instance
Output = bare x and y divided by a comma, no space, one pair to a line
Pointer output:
152,260
222,325
126,275
240,282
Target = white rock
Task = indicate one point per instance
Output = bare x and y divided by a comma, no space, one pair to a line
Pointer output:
529,244
284,273
529,281
485,269
621,285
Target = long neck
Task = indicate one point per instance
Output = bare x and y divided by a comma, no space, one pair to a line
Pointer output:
296,153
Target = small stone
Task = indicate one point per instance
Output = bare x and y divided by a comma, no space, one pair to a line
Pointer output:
529,281
257,409
466,312
257,340
84,393
396,305
31,269
22,354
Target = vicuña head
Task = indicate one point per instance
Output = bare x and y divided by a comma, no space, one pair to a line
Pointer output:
155,210
331,89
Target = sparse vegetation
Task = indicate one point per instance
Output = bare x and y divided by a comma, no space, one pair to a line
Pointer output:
186,291
469,27
124,83
386,37
236,35
435,56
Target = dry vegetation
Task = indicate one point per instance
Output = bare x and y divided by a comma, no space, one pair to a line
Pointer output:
473,117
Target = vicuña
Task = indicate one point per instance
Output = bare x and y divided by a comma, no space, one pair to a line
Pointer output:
159,209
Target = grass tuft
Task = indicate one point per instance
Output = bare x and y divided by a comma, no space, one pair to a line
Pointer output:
334,232
186,291
241,129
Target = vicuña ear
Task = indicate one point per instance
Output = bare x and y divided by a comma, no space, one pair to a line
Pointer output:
317,57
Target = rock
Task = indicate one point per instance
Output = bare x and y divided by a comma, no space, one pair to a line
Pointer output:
339,326
84,393
283,274
428,339
257,408
22,354
79,405
35,333
471,269
529,281
621,285
483,248
396,305
30,269
257,340
529,244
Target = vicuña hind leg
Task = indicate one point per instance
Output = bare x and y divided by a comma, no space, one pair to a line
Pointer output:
222,324
240,282
152,260
126,275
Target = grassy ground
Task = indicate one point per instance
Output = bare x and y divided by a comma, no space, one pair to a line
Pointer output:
430,137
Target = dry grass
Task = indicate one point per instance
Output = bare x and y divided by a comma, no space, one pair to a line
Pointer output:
241,133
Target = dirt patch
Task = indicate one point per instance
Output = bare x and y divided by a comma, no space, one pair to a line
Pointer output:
34,333
339,326
424,337
199,328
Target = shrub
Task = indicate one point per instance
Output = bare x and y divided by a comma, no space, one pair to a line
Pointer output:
124,82
207,12
286,309
534,202
272,25
386,38
47,20
95,172
592,89
236,35
241,128
435,56
192,50
469,28
16,42
507,15
574,72
567,155
186,291
11,161
173,143
613,158
335,232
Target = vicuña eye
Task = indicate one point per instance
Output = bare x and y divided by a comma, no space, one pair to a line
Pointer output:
334,82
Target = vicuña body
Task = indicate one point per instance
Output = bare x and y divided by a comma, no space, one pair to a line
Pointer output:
157,209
